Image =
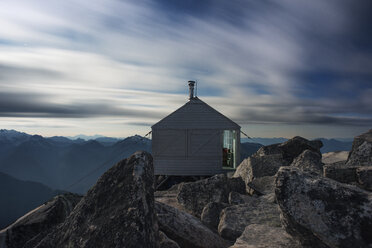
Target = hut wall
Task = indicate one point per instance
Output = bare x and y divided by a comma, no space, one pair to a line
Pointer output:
187,151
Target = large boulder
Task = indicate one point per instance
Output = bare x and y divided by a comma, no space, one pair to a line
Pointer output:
235,218
295,146
169,197
235,198
291,148
166,242
39,220
258,166
185,229
340,172
211,214
361,152
309,160
264,236
117,212
268,159
364,177
262,185
322,212
194,196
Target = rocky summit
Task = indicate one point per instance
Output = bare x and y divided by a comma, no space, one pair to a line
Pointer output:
117,212
361,152
322,212
284,195
38,222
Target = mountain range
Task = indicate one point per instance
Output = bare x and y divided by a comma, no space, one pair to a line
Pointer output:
18,197
74,164
60,162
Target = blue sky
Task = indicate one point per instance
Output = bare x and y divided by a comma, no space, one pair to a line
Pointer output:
278,68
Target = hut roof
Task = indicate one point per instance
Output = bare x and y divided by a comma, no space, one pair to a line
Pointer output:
196,114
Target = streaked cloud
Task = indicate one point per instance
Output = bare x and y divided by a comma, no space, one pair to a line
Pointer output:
125,63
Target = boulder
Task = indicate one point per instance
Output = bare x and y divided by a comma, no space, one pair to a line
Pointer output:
268,159
295,146
169,197
39,220
194,196
364,177
322,212
235,198
166,242
268,150
236,184
291,148
211,214
118,211
269,197
264,236
309,160
185,229
235,218
258,166
340,172
361,151
262,185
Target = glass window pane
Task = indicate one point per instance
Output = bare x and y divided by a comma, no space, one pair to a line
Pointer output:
229,148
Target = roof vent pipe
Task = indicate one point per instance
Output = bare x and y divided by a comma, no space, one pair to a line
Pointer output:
191,89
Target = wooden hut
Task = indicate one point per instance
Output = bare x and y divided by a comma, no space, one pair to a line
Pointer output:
195,140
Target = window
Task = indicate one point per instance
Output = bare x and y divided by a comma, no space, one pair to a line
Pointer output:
229,146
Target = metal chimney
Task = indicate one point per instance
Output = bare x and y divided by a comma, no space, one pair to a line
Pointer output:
191,89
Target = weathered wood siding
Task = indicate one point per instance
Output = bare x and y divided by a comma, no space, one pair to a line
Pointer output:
187,152
189,140
187,167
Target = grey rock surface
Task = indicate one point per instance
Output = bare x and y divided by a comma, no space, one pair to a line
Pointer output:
117,212
270,197
169,197
258,166
186,230
291,148
264,185
322,212
361,151
309,160
295,146
234,219
166,242
364,177
268,159
211,214
264,236
194,196
340,172
39,220
235,198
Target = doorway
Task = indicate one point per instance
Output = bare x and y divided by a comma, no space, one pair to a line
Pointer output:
229,146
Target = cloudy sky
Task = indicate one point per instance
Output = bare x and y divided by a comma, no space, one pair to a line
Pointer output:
277,68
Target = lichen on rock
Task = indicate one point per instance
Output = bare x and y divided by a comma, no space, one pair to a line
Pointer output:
322,212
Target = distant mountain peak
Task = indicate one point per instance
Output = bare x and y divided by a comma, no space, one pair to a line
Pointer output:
137,138
11,132
85,137
13,136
